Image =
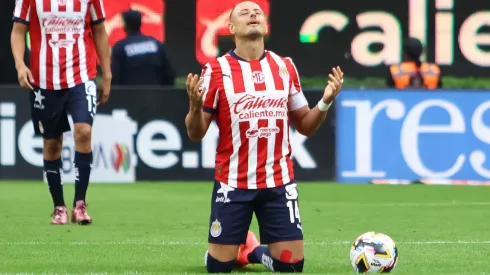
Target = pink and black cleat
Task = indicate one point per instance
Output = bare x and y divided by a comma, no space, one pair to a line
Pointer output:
79,214
60,215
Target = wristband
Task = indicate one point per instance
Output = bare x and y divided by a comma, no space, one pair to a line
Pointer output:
322,106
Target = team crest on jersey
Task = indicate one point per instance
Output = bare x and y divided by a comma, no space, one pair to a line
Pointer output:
258,77
283,72
215,229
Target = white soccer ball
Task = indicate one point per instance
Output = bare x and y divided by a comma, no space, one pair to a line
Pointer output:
374,252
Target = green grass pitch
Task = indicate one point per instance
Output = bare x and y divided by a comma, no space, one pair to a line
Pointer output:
161,228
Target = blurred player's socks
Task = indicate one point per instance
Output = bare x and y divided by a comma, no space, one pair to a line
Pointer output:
262,255
215,266
83,165
52,170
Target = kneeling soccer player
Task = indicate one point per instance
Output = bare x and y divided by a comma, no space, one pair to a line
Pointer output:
254,94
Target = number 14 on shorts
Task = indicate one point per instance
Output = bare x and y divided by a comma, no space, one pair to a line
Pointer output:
292,203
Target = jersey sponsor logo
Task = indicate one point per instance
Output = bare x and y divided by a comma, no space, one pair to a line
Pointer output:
263,132
251,102
258,77
251,107
252,133
54,24
263,114
61,43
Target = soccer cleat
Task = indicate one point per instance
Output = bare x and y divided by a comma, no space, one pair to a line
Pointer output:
79,214
247,248
60,215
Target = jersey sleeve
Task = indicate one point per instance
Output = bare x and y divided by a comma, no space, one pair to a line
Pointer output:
22,11
97,12
210,84
297,98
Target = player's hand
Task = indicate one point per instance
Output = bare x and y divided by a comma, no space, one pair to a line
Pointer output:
104,90
334,85
194,91
24,76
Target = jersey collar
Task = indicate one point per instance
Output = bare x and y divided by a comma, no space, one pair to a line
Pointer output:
233,54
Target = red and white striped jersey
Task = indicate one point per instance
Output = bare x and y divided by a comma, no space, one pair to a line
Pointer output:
251,101
62,49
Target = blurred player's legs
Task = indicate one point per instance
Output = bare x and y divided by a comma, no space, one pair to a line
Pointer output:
82,101
49,115
53,170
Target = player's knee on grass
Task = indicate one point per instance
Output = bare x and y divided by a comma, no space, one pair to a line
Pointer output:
283,262
52,148
288,251
223,252
215,266
283,267
291,259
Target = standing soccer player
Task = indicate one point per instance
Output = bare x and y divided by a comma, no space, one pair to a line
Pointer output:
67,36
254,95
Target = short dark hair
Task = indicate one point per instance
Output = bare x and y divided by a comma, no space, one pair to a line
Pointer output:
132,19
413,48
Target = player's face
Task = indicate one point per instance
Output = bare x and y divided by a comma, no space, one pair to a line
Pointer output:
248,20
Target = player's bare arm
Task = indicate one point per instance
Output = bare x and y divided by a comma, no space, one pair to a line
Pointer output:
197,121
306,120
101,41
18,44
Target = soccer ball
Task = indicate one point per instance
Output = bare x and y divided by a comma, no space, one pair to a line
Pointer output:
373,252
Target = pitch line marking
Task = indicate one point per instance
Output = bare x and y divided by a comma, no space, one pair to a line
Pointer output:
180,243
409,204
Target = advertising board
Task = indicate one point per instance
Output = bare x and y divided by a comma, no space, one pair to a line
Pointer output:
140,134
413,135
